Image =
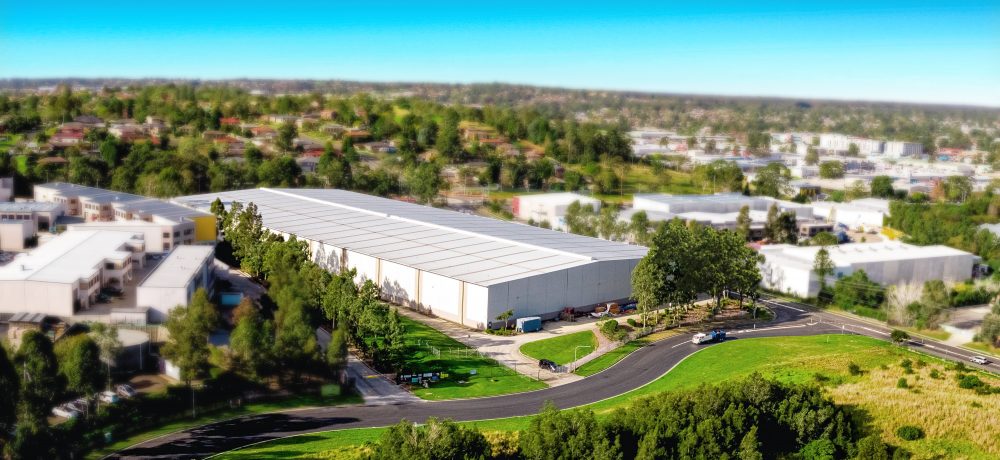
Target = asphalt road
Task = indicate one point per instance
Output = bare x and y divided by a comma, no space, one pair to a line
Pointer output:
639,368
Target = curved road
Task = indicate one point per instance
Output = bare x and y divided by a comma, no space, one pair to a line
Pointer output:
641,367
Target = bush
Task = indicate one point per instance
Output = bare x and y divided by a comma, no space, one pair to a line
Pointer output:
854,369
935,374
612,330
910,432
907,366
901,383
972,382
632,322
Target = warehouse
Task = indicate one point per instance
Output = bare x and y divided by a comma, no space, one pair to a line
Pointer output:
789,269
461,267
174,281
550,207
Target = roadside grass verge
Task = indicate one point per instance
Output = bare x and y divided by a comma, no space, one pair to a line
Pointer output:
431,351
293,402
610,358
964,431
563,348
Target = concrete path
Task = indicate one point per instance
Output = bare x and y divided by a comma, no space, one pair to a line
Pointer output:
374,388
506,349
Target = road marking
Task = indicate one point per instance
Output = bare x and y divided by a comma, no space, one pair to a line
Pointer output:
771,328
783,305
679,344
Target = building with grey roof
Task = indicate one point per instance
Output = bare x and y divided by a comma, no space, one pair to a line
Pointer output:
465,268
175,280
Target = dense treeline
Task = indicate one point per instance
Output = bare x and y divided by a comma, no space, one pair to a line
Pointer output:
754,418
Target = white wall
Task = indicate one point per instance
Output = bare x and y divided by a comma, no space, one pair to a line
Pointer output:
367,266
441,295
36,297
13,234
398,283
160,300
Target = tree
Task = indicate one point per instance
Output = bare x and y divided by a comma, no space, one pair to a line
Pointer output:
286,135
772,180
831,170
898,336
824,239
40,381
856,190
750,446
434,440
424,182
295,345
812,156
189,328
881,187
9,390
853,150
505,318
80,365
106,338
639,228
823,267
336,351
857,289
252,340
743,222
559,435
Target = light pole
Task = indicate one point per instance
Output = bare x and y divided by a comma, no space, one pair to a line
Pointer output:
578,347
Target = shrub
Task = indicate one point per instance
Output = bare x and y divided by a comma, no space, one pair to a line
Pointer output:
632,322
902,383
910,432
907,366
935,374
854,369
612,330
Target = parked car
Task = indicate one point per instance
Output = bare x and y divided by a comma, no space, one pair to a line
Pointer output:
125,390
549,365
979,360
65,411
109,397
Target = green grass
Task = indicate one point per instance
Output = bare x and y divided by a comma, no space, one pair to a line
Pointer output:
293,402
985,348
610,358
562,349
458,360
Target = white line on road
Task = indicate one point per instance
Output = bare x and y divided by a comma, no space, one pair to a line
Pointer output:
782,305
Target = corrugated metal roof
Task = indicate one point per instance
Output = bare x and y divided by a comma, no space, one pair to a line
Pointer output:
470,248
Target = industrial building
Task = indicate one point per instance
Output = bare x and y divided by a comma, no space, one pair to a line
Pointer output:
175,280
64,276
550,207
98,207
721,211
863,214
461,267
789,269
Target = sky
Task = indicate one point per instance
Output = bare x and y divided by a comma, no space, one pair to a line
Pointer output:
909,51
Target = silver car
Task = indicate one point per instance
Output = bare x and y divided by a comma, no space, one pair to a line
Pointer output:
979,360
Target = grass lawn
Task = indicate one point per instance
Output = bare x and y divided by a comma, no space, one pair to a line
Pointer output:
985,348
561,349
610,358
432,351
958,422
248,409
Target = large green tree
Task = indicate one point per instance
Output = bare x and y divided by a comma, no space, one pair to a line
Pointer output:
80,364
189,328
40,380
252,341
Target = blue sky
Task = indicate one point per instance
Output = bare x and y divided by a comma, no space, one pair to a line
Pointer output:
946,52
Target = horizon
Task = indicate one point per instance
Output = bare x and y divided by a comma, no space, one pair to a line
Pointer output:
935,53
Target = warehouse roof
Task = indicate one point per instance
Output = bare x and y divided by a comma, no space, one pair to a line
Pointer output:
180,266
470,248
70,257
98,195
162,209
860,253
28,206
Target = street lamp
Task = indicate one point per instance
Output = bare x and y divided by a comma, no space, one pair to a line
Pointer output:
578,347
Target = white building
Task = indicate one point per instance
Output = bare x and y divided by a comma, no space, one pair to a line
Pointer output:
179,224
789,269
175,280
41,215
464,268
550,207
899,149
6,189
65,275
863,214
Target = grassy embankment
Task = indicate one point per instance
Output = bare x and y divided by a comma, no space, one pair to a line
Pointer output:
432,351
959,423
561,349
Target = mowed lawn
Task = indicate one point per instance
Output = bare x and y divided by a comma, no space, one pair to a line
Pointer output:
562,349
820,360
469,375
